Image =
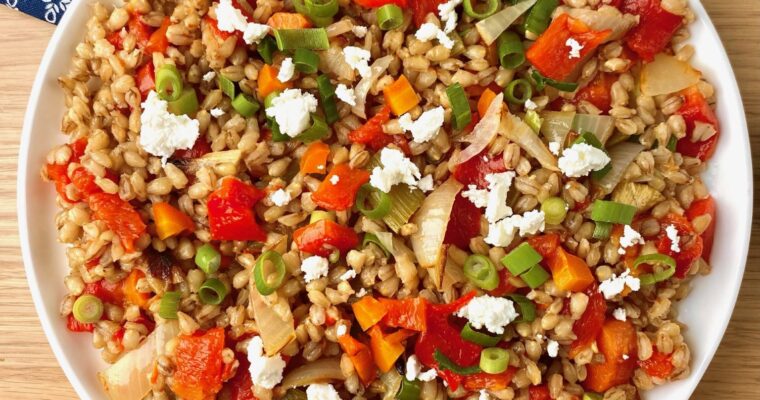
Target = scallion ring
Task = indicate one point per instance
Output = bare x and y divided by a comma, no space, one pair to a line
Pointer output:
535,276
267,281
87,309
312,38
481,339
266,48
381,207
372,238
481,272
316,131
306,61
602,230
527,308
481,11
168,82
208,259
245,105
169,305
555,210
539,16
521,259
461,115
525,91
212,292
510,49
186,104
613,212
389,17
227,86
494,360
542,82
327,95
658,276
321,8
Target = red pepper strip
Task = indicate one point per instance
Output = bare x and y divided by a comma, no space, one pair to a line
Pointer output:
120,217
75,326
338,190
654,30
598,92
695,109
545,245
146,79
199,149
139,29
492,382
323,237
550,54
407,313
158,42
701,207
198,365
442,335
240,386
539,393
687,255
106,291
379,3
230,212
421,8
474,170
659,365
464,223
587,328
372,135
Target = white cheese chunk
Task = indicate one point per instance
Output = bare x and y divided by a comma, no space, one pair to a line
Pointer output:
425,127
555,148
321,391
675,240
346,94
501,233
334,179
491,313
314,268
292,111
216,112
447,12
498,188
426,183
348,275
280,197
341,330
229,18
361,293
615,285
620,314
162,133
253,32
358,59
287,69
580,159
428,31
396,168
575,48
630,238
532,222
478,197
414,370
552,348
209,76
266,372
359,31
484,395
530,105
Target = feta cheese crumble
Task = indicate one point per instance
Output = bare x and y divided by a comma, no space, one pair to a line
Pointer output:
361,293
478,197
396,168
358,59
582,158
532,222
492,313
626,356
359,31
280,197
502,232
341,330
494,199
321,391
675,240
447,12
426,183
350,274
334,179
620,314
484,395
414,370
530,105
292,111
425,127
630,238
253,33
287,69
229,18
266,372
555,148
575,48
162,133
552,348
314,268
216,112
428,31
346,94
615,285
209,76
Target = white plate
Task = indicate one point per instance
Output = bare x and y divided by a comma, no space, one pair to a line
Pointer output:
706,313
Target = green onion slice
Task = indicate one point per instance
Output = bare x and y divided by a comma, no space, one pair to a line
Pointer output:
494,360
312,38
327,95
602,230
266,48
372,238
542,82
207,258
590,139
389,16
525,91
510,49
555,210
672,141
527,308
481,272
533,120
613,212
659,276
461,115
227,86
445,363
482,339
306,61
321,8
186,104
381,202
409,390
169,305
592,396
316,131
277,135
87,309
168,82
539,16
535,276
521,259
212,291
268,281
482,11
245,105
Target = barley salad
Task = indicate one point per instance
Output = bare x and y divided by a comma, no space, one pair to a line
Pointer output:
397,199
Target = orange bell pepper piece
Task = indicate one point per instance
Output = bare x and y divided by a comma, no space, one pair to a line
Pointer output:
314,159
338,190
407,313
268,81
170,221
285,20
485,100
158,42
617,341
368,311
386,349
569,271
130,289
361,356
492,382
400,96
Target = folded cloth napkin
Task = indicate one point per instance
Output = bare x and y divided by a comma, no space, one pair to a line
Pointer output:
46,10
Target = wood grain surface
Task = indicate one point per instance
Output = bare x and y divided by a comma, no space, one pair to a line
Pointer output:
28,369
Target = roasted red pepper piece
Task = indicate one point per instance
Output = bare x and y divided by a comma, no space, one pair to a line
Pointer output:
695,109
230,212
687,255
545,244
598,92
214,25
540,392
372,135
120,217
492,382
421,8
550,54
240,386
139,29
474,170
341,194
75,326
116,40
701,207
84,182
200,148
378,3
106,291
504,287
654,30
409,313
158,42
588,326
58,173
617,341
659,365
321,238
198,365
146,79
464,223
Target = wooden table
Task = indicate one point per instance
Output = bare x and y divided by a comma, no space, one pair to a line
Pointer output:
28,369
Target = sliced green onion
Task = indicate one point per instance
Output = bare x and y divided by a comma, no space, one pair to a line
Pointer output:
527,308
555,210
169,305
659,276
482,339
461,115
87,309
613,212
245,105
533,120
270,98
168,82
301,8
381,202
602,230
277,135
268,281
266,48
318,215
321,8
521,259
389,16
306,61
510,49
542,82
312,38
186,104
590,139
494,360
526,91
409,390
227,86
539,16
208,259
372,238
327,95
316,131
592,396
445,363
535,276
482,11
481,272
212,291
672,143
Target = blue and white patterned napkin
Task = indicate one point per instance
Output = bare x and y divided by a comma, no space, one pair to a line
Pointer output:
46,10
